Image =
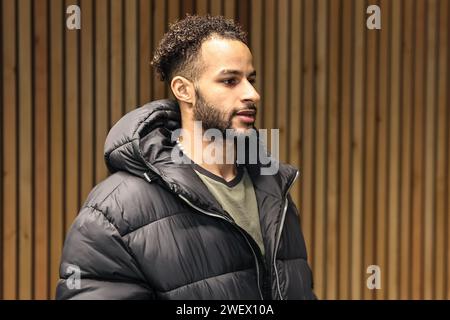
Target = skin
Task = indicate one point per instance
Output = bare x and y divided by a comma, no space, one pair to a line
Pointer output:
224,88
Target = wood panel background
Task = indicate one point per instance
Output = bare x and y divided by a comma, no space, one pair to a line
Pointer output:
363,113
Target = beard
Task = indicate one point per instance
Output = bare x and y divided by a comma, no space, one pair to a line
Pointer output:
213,118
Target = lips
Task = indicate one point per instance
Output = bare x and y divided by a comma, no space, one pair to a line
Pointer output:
248,113
247,116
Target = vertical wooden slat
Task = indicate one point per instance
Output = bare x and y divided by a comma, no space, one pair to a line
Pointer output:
40,169
10,147
332,129
116,62
447,214
320,83
430,151
101,86
87,99
295,89
131,85
358,271
418,151
406,116
188,7
442,178
307,156
1,152
25,150
229,9
2,168
159,22
71,143
144,29
257,51
381,155
57,146
243,9
174,11
269,65
216,7
370,179
392,274
281,67
201,6
345,147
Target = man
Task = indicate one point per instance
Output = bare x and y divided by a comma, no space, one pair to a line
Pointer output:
158,228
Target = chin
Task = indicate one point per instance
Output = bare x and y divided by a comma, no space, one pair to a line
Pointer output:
244,129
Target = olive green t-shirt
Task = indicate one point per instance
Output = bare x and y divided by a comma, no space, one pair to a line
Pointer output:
237,197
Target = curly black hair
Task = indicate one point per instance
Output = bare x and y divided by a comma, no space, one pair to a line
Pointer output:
177,51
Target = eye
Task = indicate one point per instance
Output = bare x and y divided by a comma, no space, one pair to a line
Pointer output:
252,81
230,82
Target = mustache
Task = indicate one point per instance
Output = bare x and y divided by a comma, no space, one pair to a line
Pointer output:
249,107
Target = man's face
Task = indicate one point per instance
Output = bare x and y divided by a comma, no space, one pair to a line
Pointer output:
225,96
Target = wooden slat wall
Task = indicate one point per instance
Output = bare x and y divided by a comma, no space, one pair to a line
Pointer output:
363,113
365,116
9,151
65,89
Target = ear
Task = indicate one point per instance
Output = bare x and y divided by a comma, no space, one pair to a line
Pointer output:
183,90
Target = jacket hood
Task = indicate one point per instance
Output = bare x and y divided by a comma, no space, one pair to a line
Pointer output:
136,143
140,143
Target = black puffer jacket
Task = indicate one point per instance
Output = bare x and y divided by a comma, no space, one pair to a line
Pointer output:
152,230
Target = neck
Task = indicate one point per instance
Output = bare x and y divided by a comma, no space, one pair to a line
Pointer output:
210,155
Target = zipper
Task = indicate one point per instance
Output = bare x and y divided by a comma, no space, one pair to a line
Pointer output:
234,225
277,242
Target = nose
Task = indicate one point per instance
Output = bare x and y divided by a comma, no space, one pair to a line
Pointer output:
250,93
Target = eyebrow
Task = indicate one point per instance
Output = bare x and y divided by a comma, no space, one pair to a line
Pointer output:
237,73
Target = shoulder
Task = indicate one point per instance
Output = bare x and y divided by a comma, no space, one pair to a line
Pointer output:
129,202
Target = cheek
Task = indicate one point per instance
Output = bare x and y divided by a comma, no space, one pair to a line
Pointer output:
219,96
222,102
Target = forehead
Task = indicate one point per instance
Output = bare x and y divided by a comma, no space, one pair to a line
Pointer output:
218,54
